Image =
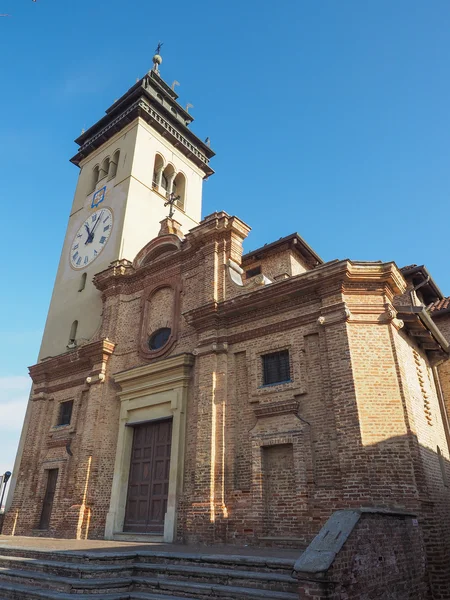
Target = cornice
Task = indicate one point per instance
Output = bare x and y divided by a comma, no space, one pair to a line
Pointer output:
163,244
203,239
81,359
158,376
377,272
326,280
186,142
271,409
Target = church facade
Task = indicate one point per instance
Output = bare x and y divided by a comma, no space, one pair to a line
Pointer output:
186,391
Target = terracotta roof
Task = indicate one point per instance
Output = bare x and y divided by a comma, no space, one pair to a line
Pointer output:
439,305
294,241
419,276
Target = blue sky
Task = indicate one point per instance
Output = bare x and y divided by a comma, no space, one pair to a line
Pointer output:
329,118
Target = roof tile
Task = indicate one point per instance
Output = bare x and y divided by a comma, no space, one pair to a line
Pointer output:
439,305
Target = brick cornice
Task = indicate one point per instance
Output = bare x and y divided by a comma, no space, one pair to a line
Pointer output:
327,280
209,237
272,409
82,359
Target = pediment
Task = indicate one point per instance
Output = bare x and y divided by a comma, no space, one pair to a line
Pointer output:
156,249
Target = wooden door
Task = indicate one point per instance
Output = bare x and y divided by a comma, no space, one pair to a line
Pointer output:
52,476
148,484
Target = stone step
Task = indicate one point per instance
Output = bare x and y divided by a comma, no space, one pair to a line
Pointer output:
14,591
249,562
72,557
207,590
148,596
64,584
229,576
21,592
202,574
270,563
66,569
16,582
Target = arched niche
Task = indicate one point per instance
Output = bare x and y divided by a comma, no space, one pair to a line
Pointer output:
160,310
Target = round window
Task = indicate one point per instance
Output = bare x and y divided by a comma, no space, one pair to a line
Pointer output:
158,339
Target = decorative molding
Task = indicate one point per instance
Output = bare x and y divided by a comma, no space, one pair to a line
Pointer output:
277,408
91,357
59,443
141,108
157,248
144,349
100,378
211,348
334,277
158,376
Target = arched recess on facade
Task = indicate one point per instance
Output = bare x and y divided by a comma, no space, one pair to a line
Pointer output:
95,176
158,169
113,164
167,179
179,189
160,309
104,169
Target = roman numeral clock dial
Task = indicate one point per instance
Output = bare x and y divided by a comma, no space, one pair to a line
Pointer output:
91,238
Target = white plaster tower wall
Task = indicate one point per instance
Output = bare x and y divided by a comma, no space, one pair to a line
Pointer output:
68,304
145,205
137,207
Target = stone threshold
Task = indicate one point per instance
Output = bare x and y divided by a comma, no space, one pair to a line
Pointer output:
123,536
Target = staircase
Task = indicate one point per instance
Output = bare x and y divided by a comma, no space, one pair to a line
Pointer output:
50,575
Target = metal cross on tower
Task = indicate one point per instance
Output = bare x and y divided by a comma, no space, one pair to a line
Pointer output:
171,199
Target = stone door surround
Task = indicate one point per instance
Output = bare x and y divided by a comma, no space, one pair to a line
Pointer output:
155,391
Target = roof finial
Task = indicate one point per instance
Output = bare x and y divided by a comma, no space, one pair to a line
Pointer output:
157,58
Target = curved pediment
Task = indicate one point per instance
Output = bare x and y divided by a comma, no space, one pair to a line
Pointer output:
156,248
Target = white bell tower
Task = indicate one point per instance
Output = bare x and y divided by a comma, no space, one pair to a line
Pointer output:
133,160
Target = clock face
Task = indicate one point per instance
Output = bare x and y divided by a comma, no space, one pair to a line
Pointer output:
91,238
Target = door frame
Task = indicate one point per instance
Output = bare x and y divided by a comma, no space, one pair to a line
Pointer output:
55,473
156,391
134,426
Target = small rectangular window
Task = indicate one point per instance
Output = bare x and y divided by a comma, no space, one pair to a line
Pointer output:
276,367
65,412
253,272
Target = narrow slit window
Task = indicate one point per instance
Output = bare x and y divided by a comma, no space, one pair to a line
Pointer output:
82,282
276,367
73,333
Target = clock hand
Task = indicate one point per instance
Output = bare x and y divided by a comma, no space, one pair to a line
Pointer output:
89,238
95,225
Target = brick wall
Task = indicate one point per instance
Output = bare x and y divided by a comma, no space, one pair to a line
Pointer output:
358,423
382,557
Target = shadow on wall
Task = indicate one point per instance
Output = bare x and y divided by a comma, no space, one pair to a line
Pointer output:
398,545
391,543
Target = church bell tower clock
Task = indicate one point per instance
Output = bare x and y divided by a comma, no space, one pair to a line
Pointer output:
134,160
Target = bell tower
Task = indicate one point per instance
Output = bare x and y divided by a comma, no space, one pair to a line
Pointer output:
133,161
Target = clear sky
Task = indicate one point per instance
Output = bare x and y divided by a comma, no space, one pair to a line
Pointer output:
329,118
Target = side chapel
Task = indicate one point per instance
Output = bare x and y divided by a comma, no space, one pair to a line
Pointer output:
186,391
